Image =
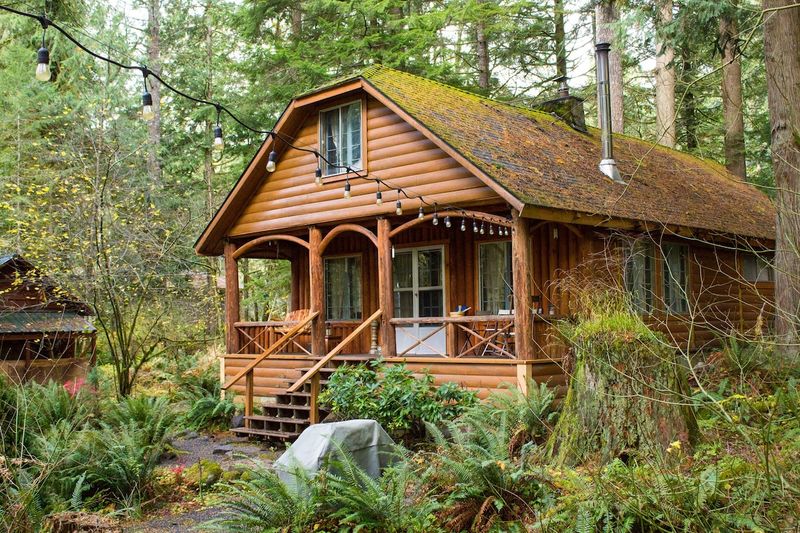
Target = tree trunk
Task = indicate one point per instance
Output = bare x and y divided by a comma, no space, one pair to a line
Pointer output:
781,43
208,153
154,64
665,82
482,49
606,15
732,97
560,38
689,108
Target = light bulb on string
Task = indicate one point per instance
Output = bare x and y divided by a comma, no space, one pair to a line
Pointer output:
43,62
218,144
435,219
491,229
421,214
447,222
272,161
463,225
481,231
318,176
398,209
378,197
474,226
147,102
347,189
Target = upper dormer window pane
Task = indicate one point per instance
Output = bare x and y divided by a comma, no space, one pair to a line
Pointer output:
340,138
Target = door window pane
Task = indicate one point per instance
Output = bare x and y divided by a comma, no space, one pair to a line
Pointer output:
430,268
343,288
403,270
495,277
404,304
675,278
639,276
430,303
340,138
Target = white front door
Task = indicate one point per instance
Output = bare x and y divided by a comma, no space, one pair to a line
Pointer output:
419,292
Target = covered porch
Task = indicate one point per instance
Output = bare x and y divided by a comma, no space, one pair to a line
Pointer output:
453,293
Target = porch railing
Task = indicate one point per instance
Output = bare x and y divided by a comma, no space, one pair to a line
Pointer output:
255,337
313,374
247,372
474,336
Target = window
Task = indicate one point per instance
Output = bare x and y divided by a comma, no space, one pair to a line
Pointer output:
639,276
757,269
340,138
494,276
675,278
343,288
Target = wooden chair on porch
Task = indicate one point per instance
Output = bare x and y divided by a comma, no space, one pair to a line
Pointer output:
505,338
292,318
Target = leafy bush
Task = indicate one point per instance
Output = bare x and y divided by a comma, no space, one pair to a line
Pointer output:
210,413
393,396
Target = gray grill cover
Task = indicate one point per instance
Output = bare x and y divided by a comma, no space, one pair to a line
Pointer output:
365,440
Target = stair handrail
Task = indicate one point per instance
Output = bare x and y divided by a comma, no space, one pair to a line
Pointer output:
314,370
280,343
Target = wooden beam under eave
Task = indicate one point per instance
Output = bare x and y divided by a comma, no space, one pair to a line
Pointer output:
326,94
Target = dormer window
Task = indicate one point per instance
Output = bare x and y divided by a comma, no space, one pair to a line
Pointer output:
340,138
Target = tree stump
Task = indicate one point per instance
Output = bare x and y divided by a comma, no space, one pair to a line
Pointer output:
628,393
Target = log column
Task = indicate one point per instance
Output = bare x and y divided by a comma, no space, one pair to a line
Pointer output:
317,290
521,271
231,299
385,296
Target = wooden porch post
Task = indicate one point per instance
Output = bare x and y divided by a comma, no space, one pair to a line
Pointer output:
385,296
317,290
231,298
521,272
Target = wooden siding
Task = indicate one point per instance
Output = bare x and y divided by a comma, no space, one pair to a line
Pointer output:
395,151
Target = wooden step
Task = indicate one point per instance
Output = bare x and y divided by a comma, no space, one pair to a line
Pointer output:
266,433
285,419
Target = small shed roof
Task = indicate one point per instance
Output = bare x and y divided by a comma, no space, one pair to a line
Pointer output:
44,322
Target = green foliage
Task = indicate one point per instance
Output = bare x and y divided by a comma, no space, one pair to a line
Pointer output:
210,413
393,396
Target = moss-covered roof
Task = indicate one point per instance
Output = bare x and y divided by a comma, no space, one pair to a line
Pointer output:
545,163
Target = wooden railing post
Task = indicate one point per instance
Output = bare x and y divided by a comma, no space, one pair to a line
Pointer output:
248,396
231,298
385,290
317,291
521,271
314,414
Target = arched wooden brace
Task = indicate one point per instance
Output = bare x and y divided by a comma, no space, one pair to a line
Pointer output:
267,238
570,227
341,228
477,215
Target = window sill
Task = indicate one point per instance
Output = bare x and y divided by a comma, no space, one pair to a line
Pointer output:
344,175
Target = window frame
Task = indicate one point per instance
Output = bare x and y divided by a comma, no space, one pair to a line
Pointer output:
649,307
765,265
479,277
320,136
325,260
686,291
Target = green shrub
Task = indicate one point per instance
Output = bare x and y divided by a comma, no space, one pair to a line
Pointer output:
154,419
393,396
210,413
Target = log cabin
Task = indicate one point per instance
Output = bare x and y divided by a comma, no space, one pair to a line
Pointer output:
45,334
460,203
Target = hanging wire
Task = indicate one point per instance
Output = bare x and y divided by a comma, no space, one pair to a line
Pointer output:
219,107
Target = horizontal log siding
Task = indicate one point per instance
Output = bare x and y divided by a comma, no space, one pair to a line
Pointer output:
395,151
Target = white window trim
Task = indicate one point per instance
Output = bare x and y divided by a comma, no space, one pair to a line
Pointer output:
415,277
342,172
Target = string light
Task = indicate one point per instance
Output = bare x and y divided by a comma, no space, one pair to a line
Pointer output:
147,102
347,188
421,214
272,161
398,208
43,73
219,144
481,232
491,229
463,225
474,226
378,195
43,59
447,222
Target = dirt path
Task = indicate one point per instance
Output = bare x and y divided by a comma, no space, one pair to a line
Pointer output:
227,450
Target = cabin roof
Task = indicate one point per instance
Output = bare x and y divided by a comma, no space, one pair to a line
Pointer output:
44,322
52,300
539,161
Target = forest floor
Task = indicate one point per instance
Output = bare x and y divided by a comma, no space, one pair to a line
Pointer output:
186,510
